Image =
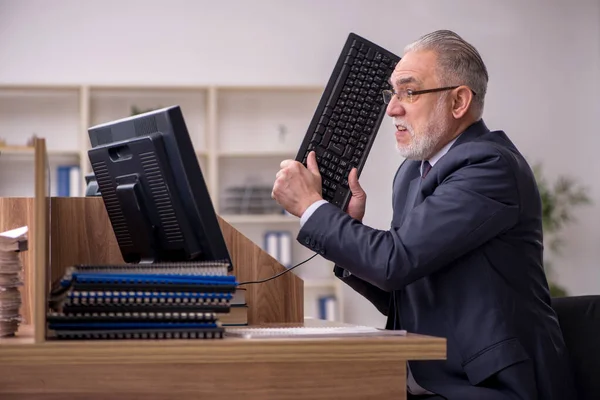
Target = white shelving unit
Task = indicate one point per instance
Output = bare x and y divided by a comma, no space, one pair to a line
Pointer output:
240,135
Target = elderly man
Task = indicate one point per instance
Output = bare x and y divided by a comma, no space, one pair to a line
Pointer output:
463,256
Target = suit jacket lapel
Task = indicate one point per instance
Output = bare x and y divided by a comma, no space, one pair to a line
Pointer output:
411,195
415,195
407,186
405,189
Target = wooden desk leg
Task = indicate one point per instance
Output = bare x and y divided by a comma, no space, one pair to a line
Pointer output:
275,380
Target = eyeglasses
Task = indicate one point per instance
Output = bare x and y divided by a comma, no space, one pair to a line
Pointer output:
410,94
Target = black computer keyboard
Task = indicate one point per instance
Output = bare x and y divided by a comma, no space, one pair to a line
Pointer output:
348,115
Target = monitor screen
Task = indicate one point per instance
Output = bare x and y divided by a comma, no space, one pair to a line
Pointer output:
153,189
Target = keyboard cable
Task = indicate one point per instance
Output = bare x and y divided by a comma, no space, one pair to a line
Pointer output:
280,273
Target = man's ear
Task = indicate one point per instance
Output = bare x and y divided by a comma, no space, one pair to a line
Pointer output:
462,98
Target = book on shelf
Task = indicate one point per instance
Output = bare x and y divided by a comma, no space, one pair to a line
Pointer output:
327,306
279,246
68,180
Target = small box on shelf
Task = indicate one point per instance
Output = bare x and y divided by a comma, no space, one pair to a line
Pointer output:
250,200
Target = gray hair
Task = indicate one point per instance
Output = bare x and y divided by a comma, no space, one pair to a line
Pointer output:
459,63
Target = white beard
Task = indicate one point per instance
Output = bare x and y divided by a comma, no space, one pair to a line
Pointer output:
424,142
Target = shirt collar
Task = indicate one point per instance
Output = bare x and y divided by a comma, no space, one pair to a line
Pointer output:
437,156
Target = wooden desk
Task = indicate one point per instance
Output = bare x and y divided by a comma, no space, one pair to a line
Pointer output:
332,368
32,367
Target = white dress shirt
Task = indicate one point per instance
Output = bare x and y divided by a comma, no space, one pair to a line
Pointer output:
412,385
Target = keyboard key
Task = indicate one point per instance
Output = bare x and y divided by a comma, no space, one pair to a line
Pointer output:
339,198
348,152
327,137
336,148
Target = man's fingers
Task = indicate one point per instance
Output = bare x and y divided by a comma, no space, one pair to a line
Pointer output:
353,184
285,163
311,163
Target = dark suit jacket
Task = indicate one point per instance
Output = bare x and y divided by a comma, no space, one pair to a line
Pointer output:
462,260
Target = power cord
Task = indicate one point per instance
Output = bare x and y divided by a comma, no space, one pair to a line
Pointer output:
279,274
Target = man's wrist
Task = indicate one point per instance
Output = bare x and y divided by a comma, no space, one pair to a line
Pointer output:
310,210
310,202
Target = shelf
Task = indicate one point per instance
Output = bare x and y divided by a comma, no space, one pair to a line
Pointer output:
36,91
49,113
283,154
315,89
25,153
259,219
16,149
272,121
240,135
27,150
149,89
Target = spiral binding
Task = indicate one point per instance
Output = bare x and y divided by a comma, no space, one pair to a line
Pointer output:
198,299
141,315
218,268
214,333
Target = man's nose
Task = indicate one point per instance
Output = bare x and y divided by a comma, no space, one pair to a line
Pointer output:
395,108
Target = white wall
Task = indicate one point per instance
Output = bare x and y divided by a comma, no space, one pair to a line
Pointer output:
543,58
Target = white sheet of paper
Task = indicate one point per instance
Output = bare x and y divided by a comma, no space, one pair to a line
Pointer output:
15,233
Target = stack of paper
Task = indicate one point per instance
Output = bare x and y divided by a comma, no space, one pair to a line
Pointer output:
11,277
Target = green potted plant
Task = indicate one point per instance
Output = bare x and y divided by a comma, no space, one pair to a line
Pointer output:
558,202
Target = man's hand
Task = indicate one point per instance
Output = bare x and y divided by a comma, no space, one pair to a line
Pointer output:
297,187
358,201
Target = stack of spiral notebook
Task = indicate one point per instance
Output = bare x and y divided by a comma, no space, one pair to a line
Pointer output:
150,301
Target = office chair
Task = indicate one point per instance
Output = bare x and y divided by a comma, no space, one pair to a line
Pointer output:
579,318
